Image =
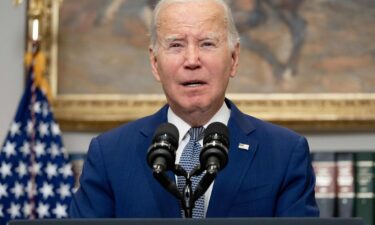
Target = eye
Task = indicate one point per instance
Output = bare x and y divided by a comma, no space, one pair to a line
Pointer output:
208,44
175,45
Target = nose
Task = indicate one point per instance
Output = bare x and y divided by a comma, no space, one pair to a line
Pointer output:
192,58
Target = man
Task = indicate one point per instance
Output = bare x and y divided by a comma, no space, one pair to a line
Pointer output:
194,52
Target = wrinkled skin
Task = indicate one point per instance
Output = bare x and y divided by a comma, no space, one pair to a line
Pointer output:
193,60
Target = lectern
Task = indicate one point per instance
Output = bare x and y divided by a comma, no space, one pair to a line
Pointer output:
216,221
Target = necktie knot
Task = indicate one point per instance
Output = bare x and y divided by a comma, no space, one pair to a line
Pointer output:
196,133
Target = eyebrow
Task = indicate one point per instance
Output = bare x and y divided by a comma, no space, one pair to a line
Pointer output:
172,38
215,39
211,36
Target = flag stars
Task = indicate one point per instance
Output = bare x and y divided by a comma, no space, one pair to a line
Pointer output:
60,211
43,129
25,149
29,128
15,129
35,168
51,170
14,210
42,210
54,150
1,211
21,169
17,190
55,129
37,107
66,170
45,110
27,209
9,149
5,170
46,190
64,191
3,190
39,149
34,178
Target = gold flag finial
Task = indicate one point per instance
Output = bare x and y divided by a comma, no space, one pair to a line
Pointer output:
36,8
36,13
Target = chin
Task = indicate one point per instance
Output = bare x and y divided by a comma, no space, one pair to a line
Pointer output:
190,104
197,105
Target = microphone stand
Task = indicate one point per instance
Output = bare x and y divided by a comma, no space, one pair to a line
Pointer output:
187,197
206,180
160,175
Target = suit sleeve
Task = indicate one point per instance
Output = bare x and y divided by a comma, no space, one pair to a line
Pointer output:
94,198
297,197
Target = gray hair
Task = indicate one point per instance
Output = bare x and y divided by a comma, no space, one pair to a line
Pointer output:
233,36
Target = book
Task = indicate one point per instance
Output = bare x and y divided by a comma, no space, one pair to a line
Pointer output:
325,187
364,185
345,184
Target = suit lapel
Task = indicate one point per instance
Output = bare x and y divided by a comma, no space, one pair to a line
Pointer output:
230,178
166,203
228,181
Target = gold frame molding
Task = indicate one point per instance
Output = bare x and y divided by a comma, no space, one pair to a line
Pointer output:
303,112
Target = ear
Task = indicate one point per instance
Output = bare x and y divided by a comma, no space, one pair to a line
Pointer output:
235,58
154,63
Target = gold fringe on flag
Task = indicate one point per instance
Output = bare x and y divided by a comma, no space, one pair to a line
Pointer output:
38,60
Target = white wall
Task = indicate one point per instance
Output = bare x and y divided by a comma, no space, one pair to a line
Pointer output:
12,33
345,142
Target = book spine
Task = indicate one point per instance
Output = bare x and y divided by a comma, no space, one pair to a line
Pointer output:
364,184
345,184
325,188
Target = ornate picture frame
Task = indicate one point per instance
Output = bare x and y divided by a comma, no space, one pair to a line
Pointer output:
300,111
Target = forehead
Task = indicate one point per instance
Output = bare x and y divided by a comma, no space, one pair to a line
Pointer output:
192,16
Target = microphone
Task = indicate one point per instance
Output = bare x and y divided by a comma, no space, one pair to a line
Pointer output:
162,153
214,154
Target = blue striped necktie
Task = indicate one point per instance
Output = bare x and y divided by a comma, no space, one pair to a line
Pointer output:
189,159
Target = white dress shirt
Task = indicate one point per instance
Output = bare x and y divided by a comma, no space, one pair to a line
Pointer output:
221,116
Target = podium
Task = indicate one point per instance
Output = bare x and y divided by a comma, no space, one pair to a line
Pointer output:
208,221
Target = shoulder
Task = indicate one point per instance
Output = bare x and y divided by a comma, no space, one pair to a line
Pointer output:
259,127
130,132
268,128
278,141
125,129
270,137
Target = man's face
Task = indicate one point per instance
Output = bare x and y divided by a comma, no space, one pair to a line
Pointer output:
193,60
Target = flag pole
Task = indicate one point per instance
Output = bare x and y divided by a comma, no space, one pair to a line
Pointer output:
33,52
35,63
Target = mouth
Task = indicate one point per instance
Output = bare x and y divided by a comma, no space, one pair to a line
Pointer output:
194,83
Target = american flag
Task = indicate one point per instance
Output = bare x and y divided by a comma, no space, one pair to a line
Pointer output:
36,180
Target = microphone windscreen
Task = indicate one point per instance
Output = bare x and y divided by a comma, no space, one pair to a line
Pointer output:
168,132
216,130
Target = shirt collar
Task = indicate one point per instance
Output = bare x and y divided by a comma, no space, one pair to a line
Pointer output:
221,116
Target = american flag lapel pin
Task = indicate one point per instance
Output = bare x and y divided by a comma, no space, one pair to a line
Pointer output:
244,146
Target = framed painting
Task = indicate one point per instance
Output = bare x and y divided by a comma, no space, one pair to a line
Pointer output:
308,65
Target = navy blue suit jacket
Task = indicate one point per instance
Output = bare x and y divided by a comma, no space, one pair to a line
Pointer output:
273,177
